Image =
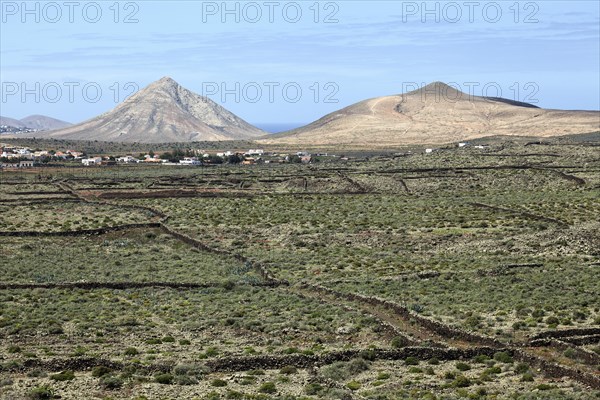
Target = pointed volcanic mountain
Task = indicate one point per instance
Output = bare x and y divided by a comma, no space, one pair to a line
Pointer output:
162,112
435,114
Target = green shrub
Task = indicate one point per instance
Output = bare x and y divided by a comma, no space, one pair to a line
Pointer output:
14,349
521,368
131,351
450,375
461,381
41,393
268,387
357,365
211,352
185,380
168,339
248,380
218,383
544,386
538,313
411,361
570,353
37,373
503,357
288,370
256,372
493,370
63,376
233,395
353,385
527,377
481,358
313,389
461,366
367,355
399,342
100,371
111,382
383,376
164,379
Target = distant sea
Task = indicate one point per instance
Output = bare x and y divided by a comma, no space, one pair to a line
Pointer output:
276,128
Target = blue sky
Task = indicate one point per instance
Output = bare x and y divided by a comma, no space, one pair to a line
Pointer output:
292,62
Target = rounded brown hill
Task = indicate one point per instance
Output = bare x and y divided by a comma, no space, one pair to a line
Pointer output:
162,112
435,114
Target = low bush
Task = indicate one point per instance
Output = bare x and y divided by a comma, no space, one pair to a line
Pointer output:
63,376
111,382
164,379
100,371
503,357
41,393
268,387
288,370
461,366
411,361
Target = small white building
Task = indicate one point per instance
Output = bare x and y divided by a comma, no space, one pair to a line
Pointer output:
26,164
463,144
127,160
190,161
91,161
255,152
429,151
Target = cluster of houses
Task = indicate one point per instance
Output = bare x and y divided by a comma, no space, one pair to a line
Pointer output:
250,157
15,129
25,157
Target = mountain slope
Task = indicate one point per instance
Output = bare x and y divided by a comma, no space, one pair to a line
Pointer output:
435,114
5,121
164,111
44,123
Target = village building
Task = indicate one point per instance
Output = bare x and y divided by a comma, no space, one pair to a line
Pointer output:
190,161
91,161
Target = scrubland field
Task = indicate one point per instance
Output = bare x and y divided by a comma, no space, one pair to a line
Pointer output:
465,273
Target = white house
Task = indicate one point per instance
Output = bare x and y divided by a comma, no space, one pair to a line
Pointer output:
26,164
429,151
463,144
91,161
255,152
127,159
190,161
